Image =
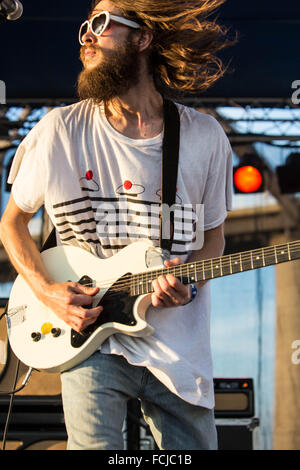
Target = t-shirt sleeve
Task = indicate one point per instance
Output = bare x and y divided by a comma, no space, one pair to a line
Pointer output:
28,174
217,199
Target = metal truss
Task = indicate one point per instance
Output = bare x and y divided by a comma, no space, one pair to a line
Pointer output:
246,121
275,121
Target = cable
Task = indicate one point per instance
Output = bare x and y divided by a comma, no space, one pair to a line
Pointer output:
24,383
12,392
27,376
12,395
10,408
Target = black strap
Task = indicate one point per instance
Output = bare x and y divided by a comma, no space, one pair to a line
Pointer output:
51,241
169,172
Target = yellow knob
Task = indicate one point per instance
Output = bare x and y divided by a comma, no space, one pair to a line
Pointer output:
46,328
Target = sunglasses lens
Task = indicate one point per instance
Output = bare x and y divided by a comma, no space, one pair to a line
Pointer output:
98,24
83,30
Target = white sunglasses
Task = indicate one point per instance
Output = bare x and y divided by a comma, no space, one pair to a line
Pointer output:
100,22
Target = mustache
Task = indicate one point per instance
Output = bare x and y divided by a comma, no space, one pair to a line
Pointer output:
91,47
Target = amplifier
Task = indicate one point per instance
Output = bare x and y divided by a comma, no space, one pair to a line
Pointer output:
234,398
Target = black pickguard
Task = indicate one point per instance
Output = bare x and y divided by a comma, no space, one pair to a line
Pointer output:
117,307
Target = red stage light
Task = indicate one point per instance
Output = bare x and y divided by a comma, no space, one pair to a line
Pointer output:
247,179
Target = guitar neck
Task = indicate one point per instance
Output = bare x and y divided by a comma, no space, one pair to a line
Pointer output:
219,267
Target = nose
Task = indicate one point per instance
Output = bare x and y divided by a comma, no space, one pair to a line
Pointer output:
89,37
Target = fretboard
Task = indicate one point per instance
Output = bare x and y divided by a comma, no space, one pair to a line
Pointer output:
218,267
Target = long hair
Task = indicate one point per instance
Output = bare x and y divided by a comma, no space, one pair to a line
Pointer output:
185,42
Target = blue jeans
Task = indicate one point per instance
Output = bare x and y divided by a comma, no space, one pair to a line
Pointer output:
95,396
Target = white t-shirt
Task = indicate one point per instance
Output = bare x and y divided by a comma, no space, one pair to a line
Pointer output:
101,190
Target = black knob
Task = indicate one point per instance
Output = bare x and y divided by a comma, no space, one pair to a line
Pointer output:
56,332
36,336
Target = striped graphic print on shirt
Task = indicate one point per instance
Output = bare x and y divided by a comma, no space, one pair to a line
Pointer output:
110,224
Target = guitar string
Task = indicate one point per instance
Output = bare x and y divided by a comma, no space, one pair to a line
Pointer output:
205,265
209,262
184,268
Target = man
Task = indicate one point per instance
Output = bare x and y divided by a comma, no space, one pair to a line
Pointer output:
107,149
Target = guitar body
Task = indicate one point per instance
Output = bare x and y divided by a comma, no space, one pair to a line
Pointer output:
43,341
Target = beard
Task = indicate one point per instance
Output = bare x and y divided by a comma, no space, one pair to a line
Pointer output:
114,76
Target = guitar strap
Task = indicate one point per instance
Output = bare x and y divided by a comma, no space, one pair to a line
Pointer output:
169,171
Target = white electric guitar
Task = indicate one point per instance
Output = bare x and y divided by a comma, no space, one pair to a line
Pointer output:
43,341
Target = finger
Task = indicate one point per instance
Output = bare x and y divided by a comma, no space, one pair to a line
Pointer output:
161,295
156,302
86,314
176,296
81,295
80,319
79,325
172,262
181,290
80,299
81,289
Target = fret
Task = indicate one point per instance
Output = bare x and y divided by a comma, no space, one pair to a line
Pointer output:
217,269
225,262
133,289
289,251
192,268
241,264
181,275
295,250
208,269
151,276
270,258
139,286
251,260
235,264
246,261
188,278
212,269
142,284
230,265
203,272
145,284
258,258
195,274
282,253
221,268
149,287
276,260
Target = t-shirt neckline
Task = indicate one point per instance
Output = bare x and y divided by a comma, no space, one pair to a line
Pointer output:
123,138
